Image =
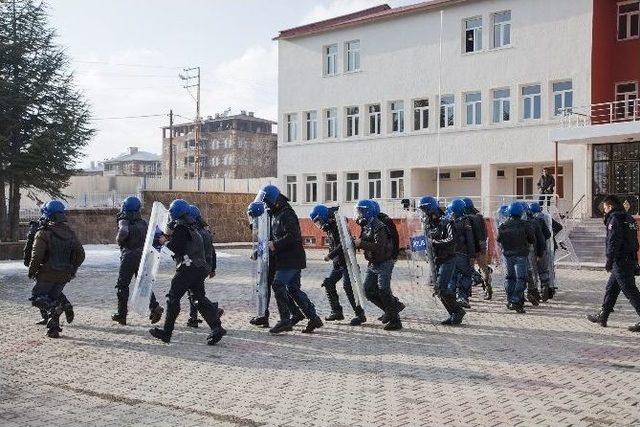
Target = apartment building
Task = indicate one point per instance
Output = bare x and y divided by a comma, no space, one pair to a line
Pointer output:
446,97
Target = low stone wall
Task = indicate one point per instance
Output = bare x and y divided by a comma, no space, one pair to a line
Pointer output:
94,226
226,213
11,250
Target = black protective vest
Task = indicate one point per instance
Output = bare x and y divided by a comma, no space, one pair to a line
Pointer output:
137,235
61,252
207,241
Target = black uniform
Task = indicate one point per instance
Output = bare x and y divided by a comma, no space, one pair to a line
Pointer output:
621,251
191,270
210,256
132,230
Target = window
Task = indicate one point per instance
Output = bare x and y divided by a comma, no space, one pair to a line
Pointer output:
468,174
447,106
331,187
473,104
191,160
473,34
397,184
626,100
311,189
331,60
500,173
420,114
352,53
374,119
502,29
532,102
524,182
501,105
353,121
397,116
628,20
292,188
311,125
353,187
375,185
445,175
292,127
308,241
331,123
562,97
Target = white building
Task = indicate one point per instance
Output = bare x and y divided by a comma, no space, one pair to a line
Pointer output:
360,107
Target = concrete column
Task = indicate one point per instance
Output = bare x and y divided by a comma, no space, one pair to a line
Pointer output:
485,187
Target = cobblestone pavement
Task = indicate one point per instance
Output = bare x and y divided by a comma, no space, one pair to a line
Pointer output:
549,366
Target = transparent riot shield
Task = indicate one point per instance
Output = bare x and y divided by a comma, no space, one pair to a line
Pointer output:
261,231
353,269
150,261
497,258
550,254
419,254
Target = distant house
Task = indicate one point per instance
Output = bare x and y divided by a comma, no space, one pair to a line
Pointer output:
94,169
133,163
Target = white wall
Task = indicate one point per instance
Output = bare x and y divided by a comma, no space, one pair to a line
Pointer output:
551,40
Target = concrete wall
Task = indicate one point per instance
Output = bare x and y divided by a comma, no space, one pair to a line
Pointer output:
226,213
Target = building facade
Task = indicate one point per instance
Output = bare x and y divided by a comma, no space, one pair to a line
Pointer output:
382,103
133,163
608,129
238,146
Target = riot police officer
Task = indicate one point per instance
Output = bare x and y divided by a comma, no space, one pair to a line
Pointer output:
439,231
191,271
544,261
210,255
622,261
515,236
324,218
479,228
132,231
289,259
465,247
377,242
56,256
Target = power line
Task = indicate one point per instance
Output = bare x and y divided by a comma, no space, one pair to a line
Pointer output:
130,117
127,65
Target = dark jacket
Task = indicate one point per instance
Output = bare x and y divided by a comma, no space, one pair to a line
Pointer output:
546,184
440,234
540,244
287,239
207,240
187,246
376,241
132,231
34,226
336,254
515,236
622,236
465,243
57,253
479,229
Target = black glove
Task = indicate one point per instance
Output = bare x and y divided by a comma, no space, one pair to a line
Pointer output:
609,265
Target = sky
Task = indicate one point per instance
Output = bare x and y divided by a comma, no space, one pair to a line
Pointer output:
126,56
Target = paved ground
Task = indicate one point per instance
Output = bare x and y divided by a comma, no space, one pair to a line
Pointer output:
549,366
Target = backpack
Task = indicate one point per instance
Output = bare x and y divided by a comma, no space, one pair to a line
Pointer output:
393,231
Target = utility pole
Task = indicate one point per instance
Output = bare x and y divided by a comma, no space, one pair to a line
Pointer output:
191,78
171,149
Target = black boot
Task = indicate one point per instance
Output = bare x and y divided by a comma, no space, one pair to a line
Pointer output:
156,314
53,326
281,326
121,315
488,292
312,325
45,317
634,328
450,304
533,296
68,313
544,294
360,317
394,323
216,335
334,302
601,318
164,334
262,321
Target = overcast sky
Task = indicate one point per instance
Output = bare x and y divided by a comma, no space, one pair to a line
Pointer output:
126,55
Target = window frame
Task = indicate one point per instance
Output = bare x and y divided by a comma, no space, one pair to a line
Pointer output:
445,109
421,114
628,19
476,109
501,26
291,121
314,122
291,187
352,185
332,186
400,116
477,35
328,119
563,96
326,55
532,98
377,185
311,196
501,101
377,119
399,183
353,120
348,50
627,99
474,177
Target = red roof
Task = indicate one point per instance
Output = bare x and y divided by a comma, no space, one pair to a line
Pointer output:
362,17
